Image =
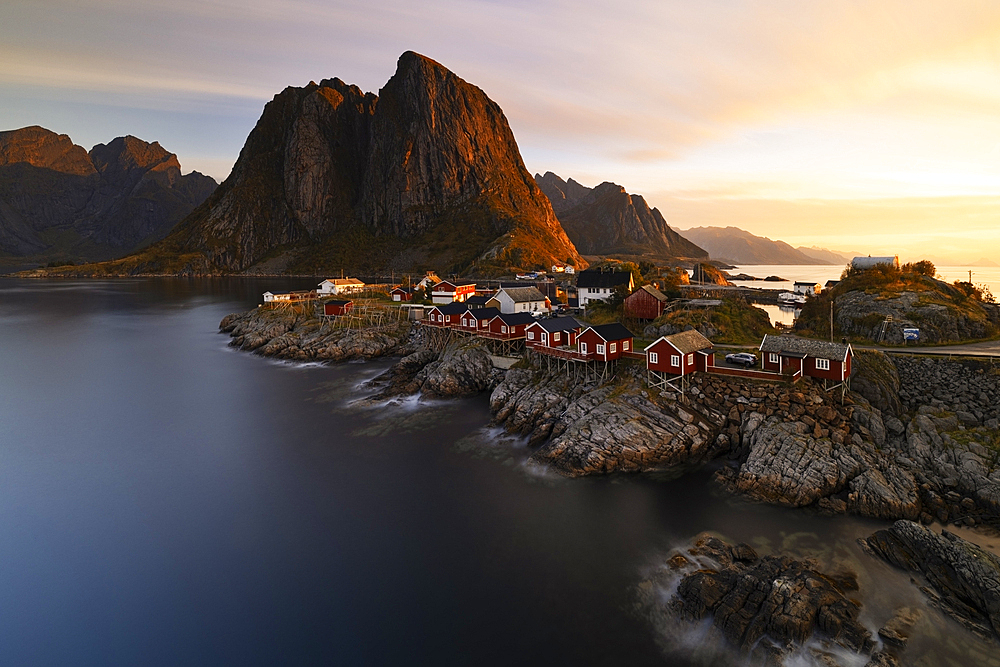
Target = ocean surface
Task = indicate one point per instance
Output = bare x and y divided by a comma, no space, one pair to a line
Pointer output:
983,276
165,500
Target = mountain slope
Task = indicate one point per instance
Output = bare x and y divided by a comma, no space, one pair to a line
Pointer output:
56,199
425,175
824,255
741,247
606,220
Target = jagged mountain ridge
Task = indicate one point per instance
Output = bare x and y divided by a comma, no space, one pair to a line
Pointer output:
426,174
607,220
57,199
732,244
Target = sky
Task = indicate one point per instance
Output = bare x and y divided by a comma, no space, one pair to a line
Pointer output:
858,126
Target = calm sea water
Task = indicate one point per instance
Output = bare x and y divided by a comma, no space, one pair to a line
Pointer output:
165,500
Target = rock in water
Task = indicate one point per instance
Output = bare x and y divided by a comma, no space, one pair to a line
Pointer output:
426,174
964,576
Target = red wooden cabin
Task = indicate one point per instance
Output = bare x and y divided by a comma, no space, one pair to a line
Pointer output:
646,303
448,315
337,307
680,354
606,342
811,358
402,294
509,326
475,320
552,332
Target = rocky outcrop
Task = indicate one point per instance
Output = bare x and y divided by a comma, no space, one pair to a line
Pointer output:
58,200
588,428
771,609
607,220
425,175
461,369
297,336
962,578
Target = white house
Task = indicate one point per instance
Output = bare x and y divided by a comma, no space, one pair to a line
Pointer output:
332,286
807,288
600,285
519,300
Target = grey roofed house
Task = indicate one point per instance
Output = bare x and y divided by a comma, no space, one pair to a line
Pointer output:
513,319
477,301
554,324
688,341
453,308
800,347
655,293
590,279
869,261
613,331
524,294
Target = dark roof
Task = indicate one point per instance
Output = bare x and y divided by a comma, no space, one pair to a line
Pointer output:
806,282
484,313
687,341
454,283
478,300
613,331
338,302
514,319
522,294
793,346
453,308
602,279
408,290
652,291
553,324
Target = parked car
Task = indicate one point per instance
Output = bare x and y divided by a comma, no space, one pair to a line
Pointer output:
742,359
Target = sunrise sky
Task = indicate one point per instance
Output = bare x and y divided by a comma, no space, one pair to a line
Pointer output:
860,126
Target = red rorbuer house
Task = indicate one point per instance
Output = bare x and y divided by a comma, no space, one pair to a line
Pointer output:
606,342
680,353
646,303
475,320
811,358
509,326
337,307
402,294
552,332
447,291
447,315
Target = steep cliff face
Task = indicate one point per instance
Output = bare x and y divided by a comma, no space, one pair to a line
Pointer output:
607,220
425,175
57,199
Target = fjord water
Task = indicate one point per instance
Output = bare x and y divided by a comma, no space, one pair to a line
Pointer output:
165,500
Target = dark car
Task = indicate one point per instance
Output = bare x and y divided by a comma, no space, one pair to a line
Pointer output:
742,359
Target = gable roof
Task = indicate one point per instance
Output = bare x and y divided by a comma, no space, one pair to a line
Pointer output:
404,290
444,284
338,302
522,294
795,346
453,308
343,281
686,341
653,292
591,279
613,331
483,313
478,300
515,319
554,324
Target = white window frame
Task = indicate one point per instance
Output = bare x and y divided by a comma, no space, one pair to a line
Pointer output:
613,348
654,358
583,348
625,345
675,360
531,335
503,329
773,357
822,364
600,348
690,359
556,337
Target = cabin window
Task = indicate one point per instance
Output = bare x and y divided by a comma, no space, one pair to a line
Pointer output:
531,335
556,337
773,357
654,358
690,358
482,323
625,345
545,339
675,360
822,364
583,348
600,348
614,348
503,329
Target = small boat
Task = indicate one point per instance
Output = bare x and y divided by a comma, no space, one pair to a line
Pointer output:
791,297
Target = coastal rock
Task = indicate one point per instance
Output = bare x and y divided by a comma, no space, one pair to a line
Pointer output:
766,608
964,578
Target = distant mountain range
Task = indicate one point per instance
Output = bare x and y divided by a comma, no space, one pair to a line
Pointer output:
425,175
59,201
736,246
606,220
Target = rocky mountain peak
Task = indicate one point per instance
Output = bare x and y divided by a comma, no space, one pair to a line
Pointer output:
42,148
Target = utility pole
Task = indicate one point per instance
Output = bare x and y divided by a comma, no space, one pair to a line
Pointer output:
831,318
970,276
